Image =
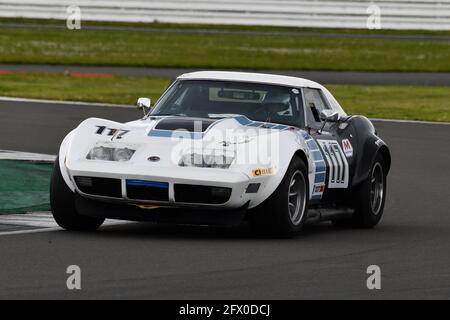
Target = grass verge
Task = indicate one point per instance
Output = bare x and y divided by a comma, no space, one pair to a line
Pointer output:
57,86
24,186
226,27
209,50
431,103
395,102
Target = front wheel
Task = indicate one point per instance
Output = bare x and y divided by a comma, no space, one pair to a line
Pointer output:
63,205
283,214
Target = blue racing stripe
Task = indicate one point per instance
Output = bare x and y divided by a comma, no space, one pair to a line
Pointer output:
320,177
316,155
280,127
243,120
312,145
255,124
306,136
320,166
144,183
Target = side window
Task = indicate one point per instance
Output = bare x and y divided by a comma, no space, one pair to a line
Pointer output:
314,104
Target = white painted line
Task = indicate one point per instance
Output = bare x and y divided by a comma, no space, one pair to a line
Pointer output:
29,220
410,121
43,221
78,103
33,219
27,156
6,233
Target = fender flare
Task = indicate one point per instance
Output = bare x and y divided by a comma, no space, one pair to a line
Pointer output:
369,146
294,149
62,154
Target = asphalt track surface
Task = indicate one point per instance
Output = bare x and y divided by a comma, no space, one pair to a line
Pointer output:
327,77
411,245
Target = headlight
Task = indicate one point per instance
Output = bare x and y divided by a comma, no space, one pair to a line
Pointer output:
123,154
205,161
110,154
100,153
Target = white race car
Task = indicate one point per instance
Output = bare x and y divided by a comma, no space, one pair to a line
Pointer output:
222,148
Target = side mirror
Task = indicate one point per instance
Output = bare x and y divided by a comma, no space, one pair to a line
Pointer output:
145,105
329,115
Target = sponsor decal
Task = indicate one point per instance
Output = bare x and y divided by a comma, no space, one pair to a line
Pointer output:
111,132
262,172
319,188
347,146
338,170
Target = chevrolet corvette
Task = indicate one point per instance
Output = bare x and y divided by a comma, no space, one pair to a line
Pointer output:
222,148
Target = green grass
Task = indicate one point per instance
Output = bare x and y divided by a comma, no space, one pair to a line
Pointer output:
191,26
203,50
394,102
120,90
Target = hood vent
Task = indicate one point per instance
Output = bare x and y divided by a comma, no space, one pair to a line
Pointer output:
188,124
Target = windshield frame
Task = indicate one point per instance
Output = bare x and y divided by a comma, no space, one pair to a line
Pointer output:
299,100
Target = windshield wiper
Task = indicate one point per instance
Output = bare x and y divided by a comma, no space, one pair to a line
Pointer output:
168,114
224,115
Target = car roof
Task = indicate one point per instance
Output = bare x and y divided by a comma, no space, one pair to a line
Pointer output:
251,77
263,78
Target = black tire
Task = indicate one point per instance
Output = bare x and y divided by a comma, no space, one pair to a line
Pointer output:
273,217
63,206
368,213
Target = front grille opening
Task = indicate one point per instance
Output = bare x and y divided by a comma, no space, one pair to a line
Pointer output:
106,187
201,194
147,190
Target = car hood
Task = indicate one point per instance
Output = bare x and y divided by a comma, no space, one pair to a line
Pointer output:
166,139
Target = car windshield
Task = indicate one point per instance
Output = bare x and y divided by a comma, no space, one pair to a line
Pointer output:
221,99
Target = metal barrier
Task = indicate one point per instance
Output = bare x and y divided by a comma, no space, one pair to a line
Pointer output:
393,14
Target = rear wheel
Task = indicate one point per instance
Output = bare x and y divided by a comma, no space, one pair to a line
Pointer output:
283,214
369,198
63,205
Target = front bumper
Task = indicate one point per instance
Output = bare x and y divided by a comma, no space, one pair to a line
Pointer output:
171,178
123,211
